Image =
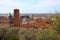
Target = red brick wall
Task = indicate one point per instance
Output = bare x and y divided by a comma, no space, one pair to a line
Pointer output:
16,17
40,24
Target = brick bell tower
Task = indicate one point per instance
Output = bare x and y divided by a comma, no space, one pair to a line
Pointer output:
16,17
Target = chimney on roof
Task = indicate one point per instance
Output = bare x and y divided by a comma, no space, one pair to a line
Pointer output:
16,17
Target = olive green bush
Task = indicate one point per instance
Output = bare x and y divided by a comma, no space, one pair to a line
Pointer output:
16,33
9,33
22,34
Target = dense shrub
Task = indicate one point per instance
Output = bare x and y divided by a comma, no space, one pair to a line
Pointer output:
9,34
16,33
22,34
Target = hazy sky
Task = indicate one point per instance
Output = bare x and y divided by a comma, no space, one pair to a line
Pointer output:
29,6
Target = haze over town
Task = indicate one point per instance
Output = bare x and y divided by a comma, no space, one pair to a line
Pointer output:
30,6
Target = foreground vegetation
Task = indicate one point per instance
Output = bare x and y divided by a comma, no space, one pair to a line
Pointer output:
15,33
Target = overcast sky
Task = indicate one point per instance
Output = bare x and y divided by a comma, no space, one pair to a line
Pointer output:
29,6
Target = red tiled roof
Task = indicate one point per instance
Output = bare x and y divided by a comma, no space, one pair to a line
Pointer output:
40,24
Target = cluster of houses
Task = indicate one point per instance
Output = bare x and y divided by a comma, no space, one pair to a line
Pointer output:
24,21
